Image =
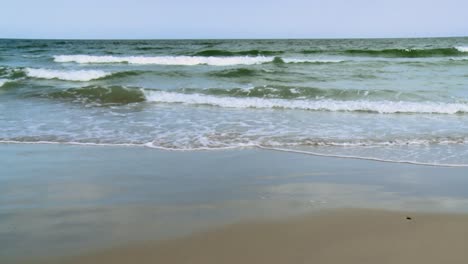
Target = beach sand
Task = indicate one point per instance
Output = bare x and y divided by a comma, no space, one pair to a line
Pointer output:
81,204
333,236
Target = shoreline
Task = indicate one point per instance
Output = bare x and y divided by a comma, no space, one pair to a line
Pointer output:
294,151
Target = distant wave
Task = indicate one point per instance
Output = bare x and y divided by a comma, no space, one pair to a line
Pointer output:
184,60
234,73
67,75
33,45
407,53
163,60
227,53
384,107
396,53
316,61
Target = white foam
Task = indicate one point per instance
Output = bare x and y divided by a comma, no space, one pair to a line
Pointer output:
150,145
462,48
365,158
164,60
387,107
77,75
3,81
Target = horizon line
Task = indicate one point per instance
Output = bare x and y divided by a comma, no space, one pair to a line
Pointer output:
318,38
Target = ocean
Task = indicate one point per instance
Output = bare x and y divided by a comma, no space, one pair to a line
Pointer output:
396,100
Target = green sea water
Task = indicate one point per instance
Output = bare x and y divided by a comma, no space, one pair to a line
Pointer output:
400,100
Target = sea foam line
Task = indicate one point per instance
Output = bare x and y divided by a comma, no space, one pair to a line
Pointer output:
149,145
384,107
66,75
363,158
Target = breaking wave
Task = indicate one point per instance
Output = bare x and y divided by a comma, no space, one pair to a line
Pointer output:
66,75
3,81
462,48
164,60
383,107
226,53
184,60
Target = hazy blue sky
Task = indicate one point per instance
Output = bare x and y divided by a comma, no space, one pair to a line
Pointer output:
232,19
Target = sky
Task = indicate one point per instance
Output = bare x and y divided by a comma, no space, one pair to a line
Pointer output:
184,19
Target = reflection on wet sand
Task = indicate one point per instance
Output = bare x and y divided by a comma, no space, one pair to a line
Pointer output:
86,199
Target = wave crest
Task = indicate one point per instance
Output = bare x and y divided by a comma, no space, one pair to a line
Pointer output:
383,107
164,60
66,75
462,48
185,60
3,81
226,53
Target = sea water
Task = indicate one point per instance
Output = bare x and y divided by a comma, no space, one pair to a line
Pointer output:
399,100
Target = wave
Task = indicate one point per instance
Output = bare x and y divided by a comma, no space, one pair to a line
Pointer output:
462,48
314,61
123,74
307,98
185,60
265,97
164,60
235,73
301,92
226,53
11,73
33,45
383,107
406,53
101,95
3,81
396,53
66,75
151,48
279,60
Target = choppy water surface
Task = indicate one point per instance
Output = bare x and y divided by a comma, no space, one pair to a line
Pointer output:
402,100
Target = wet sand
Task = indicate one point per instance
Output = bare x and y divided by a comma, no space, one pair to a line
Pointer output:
337,236
238,206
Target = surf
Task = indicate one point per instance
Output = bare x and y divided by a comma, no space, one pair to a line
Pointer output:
66,75
382,107
184,60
